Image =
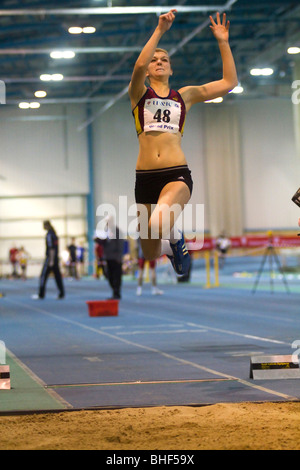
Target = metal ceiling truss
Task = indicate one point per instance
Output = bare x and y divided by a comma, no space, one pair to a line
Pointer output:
261,31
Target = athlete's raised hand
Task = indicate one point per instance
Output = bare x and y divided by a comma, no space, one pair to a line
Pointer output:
165,21
220,30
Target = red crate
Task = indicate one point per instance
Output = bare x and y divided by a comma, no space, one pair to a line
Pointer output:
103,308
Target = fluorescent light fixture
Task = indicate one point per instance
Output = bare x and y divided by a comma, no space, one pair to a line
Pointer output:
24,105
46,77
62,54
40,94
34,105
293,50
265,72
255,72
237,90
56,77
75,30
216,100
89,30
79,30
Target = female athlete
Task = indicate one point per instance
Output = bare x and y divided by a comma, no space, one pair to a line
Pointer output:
163,179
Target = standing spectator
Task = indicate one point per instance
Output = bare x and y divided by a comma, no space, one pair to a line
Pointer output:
23,257
73,259
113,248
13,258
51,263
223,244
65,257
100,263
80,259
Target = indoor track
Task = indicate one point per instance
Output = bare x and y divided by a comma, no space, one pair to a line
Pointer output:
190,346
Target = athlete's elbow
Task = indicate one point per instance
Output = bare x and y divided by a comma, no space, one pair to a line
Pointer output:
229,85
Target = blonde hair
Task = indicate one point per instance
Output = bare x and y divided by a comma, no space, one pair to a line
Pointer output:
159,49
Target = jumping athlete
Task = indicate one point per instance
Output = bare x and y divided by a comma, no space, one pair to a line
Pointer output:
163,179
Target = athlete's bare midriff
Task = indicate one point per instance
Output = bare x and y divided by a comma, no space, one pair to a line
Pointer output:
160,150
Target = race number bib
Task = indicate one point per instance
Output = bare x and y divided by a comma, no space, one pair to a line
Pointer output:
161,115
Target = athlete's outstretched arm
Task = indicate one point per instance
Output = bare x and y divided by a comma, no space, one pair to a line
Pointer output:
137,84
209,91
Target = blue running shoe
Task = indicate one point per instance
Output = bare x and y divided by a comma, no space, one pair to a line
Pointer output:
180,260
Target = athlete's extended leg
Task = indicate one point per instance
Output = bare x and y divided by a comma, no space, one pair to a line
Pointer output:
163,238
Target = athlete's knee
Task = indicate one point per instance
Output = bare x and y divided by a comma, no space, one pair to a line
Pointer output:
151,249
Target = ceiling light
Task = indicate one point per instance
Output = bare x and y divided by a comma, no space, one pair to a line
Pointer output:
238,89
216,100
56,55
40,94
68,55
57,77
255,72
75,30
265,71
294,50
79,30
46,77
89,30
62,54
24,105
34,105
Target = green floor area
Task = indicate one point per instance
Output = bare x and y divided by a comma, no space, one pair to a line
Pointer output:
26,393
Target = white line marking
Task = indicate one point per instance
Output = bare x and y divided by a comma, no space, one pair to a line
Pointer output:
158,332
229,332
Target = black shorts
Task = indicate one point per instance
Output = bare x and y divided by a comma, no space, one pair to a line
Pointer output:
149,183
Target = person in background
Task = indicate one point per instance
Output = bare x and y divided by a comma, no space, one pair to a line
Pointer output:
100,264
113,250
23,257
223,244
152,266
73,259
13,258
65,258
51,263
80,259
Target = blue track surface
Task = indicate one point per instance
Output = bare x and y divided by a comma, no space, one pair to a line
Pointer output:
189,346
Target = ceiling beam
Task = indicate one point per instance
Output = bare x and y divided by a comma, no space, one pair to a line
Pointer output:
81,78
77,50
158,10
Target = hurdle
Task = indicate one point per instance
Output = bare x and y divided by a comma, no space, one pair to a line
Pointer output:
209,284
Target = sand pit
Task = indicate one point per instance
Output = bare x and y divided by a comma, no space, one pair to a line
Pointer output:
244,426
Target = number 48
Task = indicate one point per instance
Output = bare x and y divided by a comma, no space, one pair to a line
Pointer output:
165,116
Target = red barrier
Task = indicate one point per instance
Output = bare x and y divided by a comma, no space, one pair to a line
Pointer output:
278,241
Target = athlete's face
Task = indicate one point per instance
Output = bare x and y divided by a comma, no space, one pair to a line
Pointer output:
159,66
